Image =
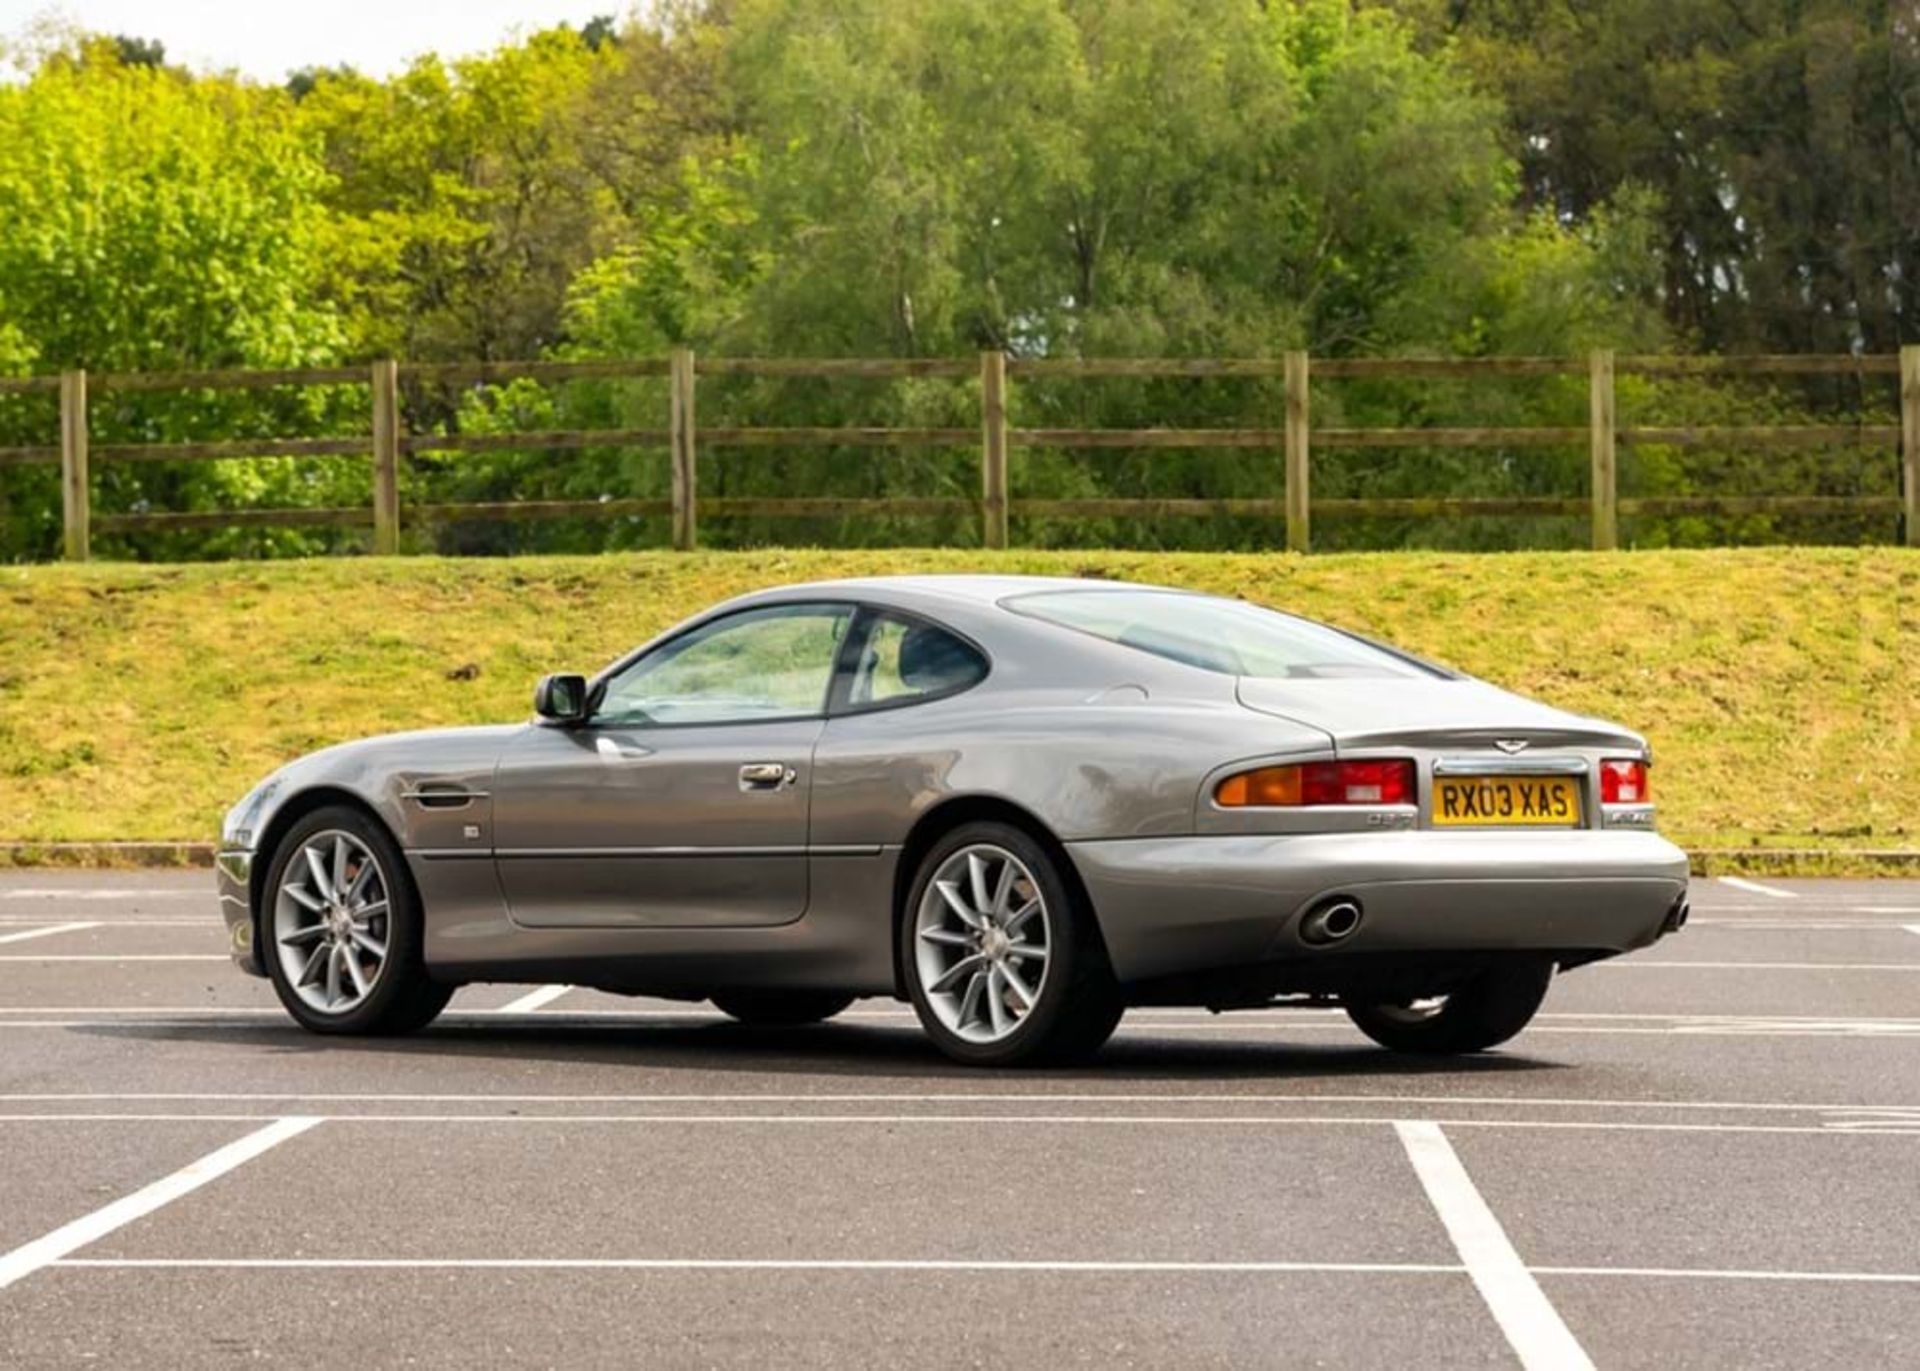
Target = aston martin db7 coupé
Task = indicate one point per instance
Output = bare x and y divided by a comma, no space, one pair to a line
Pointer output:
1023,804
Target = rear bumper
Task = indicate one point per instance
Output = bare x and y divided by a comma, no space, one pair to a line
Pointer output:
1195,904
233,874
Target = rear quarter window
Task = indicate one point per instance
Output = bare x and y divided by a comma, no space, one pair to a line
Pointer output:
904,660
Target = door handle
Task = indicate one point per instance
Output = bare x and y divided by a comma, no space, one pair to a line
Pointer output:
765,775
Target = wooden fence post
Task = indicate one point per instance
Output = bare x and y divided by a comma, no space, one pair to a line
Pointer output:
1299,531
1602,424
680,381
1910,437
386,458
993,449
76,508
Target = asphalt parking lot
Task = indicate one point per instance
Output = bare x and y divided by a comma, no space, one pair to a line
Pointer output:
1704,1155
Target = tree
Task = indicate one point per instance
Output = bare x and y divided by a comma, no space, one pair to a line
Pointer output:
1131,175
1055,178
1124,177
1780,137
155,221
466,197
139,52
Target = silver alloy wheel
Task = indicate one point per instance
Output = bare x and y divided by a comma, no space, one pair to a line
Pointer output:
981,942
331,920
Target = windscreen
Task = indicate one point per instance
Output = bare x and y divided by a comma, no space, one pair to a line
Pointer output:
1227,636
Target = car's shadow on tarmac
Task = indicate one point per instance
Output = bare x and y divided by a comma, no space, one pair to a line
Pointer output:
845,1049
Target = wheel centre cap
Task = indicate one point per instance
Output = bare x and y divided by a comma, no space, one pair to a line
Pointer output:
994,942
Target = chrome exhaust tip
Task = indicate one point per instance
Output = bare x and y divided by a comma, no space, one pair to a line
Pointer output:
1334,921
1677,917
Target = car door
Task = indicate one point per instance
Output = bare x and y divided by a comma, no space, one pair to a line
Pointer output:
682,801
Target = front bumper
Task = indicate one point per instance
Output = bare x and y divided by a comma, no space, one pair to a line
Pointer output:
1180,905
233,874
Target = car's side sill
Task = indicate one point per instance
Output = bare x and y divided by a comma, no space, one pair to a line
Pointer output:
591,853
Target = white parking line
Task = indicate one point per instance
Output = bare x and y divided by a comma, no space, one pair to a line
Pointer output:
1851,1128
1755,888
207,925
1725,1029
1687,1273
1804,925
122,957
1870,1120
107,893
44,932
534,1000
137,1009
840,1264
25,1260
1312,1030
35,1017
1533,1326
756,1264
1912,928
1638,964
1025,1097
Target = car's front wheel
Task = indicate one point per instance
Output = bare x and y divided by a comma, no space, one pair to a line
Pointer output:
343,929
1002,961
1482,1013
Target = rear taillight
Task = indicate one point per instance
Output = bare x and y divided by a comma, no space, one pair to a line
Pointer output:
1319,783
1623,781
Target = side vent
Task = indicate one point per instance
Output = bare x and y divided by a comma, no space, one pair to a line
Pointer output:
443,795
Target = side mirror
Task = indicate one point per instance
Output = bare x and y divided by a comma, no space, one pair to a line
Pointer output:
561,699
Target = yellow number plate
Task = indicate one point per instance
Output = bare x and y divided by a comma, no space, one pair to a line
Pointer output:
1504,801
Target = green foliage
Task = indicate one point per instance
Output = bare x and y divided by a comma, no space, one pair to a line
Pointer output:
155,221
1056,178
1053,178
1126,178
1778,135
139,52
683,274
467,197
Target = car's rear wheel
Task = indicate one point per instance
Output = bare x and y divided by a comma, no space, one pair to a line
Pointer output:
343,929
780,1008
1482,1013
1002,961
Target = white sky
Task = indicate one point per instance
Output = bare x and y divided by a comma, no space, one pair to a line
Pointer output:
269,38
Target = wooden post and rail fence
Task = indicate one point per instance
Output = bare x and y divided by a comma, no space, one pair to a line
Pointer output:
1296,439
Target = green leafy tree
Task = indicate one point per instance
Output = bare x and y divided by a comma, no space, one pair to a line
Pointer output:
157,221
1055,178
467,196
1130,177
1781,137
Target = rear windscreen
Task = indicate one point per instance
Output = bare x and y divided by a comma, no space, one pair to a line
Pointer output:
1227,636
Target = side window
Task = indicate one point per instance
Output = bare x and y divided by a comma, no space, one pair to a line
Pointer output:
907,659
771,663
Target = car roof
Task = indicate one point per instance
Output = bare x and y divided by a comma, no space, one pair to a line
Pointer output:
969,588
971,602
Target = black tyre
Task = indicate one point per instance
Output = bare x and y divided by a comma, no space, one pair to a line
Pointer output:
341,930
1483,1013
1001,957
780,1008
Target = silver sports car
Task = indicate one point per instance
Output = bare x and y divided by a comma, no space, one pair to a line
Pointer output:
1024,804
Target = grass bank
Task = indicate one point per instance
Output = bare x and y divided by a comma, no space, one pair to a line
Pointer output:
1780,687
